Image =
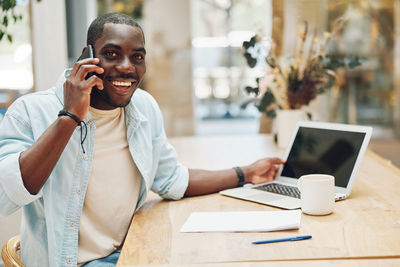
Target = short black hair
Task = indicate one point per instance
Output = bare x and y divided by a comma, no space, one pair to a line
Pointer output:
96,27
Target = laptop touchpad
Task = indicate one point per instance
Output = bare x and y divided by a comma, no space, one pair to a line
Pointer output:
265,197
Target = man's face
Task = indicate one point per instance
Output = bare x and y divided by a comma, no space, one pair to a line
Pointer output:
122,56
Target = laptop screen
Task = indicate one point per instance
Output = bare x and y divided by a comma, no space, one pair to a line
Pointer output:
324,151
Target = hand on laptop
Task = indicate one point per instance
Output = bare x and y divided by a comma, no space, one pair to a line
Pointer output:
261,171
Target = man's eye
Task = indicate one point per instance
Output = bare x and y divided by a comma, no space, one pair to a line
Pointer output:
110,54
139,57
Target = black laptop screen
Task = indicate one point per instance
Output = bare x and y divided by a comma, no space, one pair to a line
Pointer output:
324,151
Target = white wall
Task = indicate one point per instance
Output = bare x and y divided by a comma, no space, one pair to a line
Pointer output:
49,42
169,68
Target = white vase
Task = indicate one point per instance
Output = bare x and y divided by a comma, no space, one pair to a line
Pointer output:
286,121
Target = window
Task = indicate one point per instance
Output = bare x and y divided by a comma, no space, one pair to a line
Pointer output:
16,75
220,72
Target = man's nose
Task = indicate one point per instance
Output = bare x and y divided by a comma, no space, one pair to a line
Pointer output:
126,66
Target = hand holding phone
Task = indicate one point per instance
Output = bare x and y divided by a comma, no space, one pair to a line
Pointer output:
79,85
87,53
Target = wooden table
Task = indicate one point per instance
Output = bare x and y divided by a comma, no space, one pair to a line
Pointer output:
364,229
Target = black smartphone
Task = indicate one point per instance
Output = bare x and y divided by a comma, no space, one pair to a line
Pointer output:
87,52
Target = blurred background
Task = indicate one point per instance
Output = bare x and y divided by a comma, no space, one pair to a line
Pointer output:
196,69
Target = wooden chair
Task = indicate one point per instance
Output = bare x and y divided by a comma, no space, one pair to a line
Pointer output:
11,253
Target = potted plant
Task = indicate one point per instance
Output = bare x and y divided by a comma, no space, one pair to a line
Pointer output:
290,83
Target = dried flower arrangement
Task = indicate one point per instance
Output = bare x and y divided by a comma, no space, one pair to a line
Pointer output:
290,83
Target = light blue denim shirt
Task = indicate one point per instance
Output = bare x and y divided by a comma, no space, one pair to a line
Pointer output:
50,219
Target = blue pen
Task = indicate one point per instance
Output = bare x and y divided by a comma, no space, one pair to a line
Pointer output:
295,238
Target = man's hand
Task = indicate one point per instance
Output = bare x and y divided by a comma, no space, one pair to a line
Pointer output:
204,182
261,171
77,90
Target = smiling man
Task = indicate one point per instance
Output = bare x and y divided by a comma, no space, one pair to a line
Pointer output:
80,157
122,75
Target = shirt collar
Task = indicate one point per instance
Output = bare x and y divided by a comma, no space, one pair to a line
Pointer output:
59,89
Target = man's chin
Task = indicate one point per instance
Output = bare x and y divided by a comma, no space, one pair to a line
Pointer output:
116,103
119,105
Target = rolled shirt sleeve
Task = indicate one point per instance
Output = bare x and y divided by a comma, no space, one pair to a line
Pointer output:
172,178
15,137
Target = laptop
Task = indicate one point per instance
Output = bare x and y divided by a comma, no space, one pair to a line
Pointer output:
315,147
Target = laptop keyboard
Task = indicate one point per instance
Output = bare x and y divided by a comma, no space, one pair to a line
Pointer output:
281,189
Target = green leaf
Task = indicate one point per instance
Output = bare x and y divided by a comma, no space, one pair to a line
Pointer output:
5,21
250,60
267,99
1,34
352,61
246,45
253,40
9,37
251,90
5,5
251,43
271,113
8,4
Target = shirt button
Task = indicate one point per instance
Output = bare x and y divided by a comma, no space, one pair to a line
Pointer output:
89,121
78,191
69,261
85,157
72,224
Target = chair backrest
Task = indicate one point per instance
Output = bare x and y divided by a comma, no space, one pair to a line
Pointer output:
11,253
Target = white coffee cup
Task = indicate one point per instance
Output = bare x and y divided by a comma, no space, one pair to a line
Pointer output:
317,193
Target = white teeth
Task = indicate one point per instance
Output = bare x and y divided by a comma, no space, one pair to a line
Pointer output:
121,83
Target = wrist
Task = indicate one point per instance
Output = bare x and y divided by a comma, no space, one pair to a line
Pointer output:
67,121
247,174
78,122
240,176
66,113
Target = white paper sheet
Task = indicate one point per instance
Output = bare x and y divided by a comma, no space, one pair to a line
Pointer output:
242,221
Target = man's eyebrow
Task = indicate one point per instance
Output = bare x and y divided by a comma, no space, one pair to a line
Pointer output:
140,49
112,46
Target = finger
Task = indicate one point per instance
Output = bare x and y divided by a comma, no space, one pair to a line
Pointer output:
95,81
276,161
84,70
78,64
88,60
272,172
